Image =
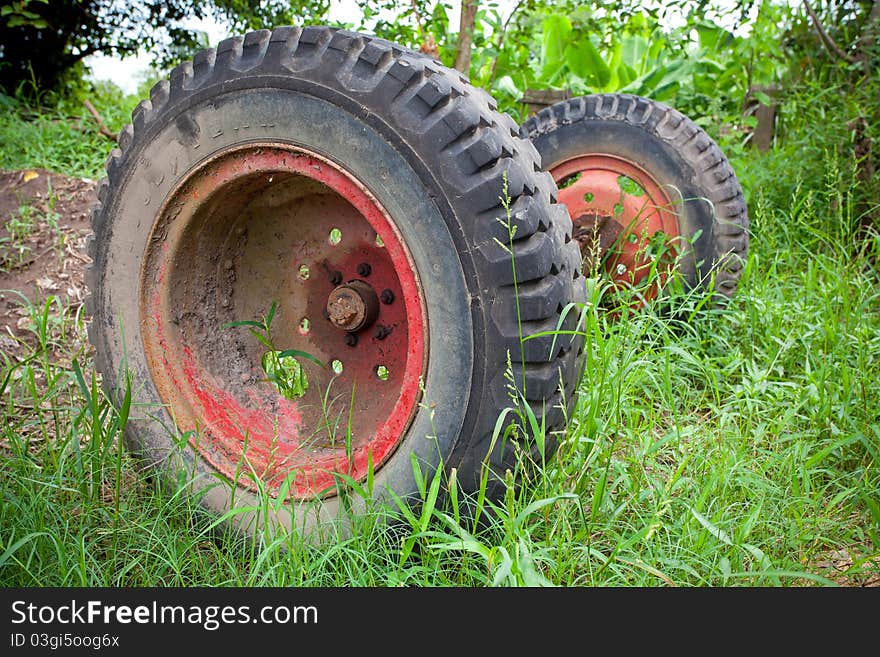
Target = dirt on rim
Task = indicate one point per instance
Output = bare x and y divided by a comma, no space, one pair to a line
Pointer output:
44,224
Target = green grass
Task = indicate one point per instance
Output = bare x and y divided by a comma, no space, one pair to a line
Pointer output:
62,136
736,446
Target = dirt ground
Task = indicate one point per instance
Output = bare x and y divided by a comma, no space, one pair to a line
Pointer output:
44,223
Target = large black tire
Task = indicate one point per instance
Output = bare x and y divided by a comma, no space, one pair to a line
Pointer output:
438,156
713,217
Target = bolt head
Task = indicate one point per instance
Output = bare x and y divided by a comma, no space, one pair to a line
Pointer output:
364,269
387,297
352,306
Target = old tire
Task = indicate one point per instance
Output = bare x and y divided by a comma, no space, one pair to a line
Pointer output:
687,190
223,198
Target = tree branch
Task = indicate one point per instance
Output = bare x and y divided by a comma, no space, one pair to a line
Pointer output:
827,41
427,44
466,35
500,41
102,127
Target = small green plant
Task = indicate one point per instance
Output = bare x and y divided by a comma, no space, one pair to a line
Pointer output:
282,368
19,226
27,221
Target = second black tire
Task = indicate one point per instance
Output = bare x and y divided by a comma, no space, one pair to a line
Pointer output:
673,150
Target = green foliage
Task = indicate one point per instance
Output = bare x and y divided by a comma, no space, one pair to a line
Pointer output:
45,42
56,132
403,28
19,14
630,49
244,15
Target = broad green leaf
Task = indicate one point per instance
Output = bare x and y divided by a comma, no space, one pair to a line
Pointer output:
296,353
713,38
556,33
759,555
440,19
585,61
625,74
658,43
616,57
666,91
286,373
505,568
637,24
530,575
634,50
661,83
710,65
643,85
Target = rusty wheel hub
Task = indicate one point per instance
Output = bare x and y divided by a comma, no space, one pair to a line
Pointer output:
353,306
622,218
270,223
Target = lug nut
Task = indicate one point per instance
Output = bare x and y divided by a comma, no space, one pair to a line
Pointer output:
351,339
387,296
336,278
364,269
381,332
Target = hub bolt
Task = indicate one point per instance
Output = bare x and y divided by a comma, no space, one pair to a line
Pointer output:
335,278
381,332
364,269
387,296
351,339
352,306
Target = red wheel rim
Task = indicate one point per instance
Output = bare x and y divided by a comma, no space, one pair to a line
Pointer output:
621,216
266,223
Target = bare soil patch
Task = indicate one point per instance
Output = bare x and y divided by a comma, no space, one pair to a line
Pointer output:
44,224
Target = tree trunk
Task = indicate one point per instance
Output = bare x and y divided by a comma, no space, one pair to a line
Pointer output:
466,35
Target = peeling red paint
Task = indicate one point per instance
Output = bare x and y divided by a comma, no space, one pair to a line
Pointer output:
225,414
597,193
